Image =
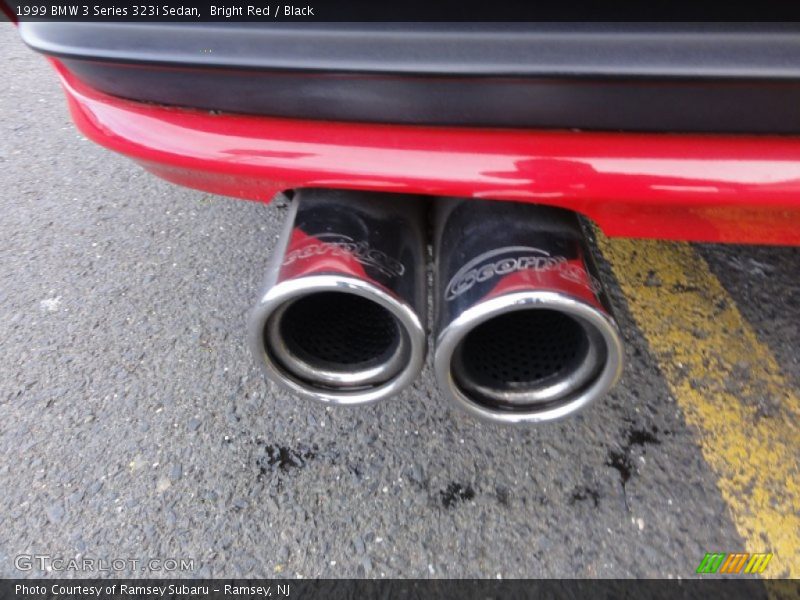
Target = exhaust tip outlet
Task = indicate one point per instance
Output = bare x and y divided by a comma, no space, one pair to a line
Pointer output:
341,317
528,357
524,329
339,340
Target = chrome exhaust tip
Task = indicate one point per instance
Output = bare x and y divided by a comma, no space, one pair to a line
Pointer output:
338,340
364,345
524,332
339,320
528,357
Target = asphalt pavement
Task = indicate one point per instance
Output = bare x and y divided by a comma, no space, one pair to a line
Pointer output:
135,424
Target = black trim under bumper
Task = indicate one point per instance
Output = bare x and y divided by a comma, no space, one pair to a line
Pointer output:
737,78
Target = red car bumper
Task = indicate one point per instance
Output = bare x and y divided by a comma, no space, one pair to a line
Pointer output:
683,187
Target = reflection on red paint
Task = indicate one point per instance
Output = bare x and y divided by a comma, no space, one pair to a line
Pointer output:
685,187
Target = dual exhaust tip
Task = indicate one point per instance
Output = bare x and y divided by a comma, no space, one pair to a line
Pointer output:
523,332
341,319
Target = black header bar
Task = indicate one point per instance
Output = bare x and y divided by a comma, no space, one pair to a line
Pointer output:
399,10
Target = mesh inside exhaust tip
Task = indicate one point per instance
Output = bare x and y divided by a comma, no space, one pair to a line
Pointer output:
337,341
336,328
514,358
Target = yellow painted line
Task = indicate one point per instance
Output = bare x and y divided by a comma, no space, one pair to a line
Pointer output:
703,346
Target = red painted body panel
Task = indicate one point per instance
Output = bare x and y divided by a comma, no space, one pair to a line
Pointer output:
670,186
